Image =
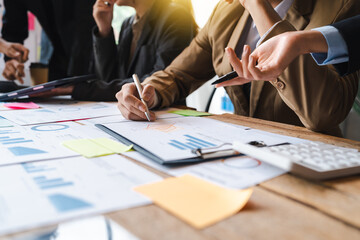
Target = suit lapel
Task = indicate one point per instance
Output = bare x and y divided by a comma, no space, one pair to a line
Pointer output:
234,39
296,17
143,38
124,51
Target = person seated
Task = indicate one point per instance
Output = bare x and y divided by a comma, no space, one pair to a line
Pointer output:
148,42
304,95
336,44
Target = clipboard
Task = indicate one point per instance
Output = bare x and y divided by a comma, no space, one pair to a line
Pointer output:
200,154
26,92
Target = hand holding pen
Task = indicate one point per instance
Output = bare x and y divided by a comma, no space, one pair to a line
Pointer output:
130,104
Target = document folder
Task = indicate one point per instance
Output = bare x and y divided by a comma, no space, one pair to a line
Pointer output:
199,155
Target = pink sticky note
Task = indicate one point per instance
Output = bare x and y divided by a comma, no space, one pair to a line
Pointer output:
21,105
31,21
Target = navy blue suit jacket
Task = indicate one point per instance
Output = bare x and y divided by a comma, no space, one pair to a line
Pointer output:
350,31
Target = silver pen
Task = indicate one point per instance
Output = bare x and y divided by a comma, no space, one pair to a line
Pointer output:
139,89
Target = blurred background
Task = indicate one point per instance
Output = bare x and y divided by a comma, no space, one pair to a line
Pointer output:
204,99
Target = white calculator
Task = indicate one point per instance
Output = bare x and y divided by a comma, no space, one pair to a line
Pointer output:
313,160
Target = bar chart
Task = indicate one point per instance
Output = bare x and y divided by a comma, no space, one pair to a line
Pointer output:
50,183
190,142
36,168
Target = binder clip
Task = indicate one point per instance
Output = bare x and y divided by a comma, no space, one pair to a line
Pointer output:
211,152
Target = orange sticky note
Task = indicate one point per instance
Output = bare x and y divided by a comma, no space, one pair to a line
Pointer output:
196,201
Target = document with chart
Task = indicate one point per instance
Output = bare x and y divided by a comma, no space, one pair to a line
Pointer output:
61,112
172,140
20,144
45,193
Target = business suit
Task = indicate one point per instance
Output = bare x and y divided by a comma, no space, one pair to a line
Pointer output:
68,25
350,31
304,95
168,29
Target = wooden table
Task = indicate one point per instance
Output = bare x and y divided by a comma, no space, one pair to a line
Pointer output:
286,207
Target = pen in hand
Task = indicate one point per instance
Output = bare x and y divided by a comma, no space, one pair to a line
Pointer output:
139,89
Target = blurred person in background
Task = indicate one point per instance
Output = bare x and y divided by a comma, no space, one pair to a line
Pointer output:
14,69
68,25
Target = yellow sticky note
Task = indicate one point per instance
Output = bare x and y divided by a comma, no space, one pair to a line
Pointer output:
195,201
87,148
112,145
191,113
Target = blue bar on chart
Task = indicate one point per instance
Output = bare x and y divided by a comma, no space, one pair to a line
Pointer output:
23,151
44,183
36,168
7,131
7,140
64,203
190,142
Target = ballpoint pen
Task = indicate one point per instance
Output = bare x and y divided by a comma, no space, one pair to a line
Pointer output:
139,89
226,77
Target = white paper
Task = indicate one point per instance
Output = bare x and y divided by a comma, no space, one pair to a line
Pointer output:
174,138
42,142
48,192
119,118
237,172
61,112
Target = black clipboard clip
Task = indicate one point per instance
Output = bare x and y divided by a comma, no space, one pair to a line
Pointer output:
207,153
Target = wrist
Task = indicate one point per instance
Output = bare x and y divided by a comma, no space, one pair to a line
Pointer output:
104,32
310,42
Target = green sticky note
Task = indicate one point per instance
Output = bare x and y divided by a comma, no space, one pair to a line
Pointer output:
87,147
112,145
190,113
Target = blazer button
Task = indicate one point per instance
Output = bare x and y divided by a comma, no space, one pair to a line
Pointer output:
280,84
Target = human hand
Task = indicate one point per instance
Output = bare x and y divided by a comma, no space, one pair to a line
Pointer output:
14,50
103,15
131,106
67,90
14,70
269,60
240,66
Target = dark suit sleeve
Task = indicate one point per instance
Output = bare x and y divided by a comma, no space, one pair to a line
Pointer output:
350,31
104,55
176,31
15,22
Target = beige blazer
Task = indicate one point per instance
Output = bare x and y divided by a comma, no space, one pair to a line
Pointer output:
304,95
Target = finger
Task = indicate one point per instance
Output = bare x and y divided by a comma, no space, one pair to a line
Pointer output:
9,74
129,114
129,102
13,53
6,75
149,95
10,66
20,73
254,71
232,82
25,55
245,61
234,61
